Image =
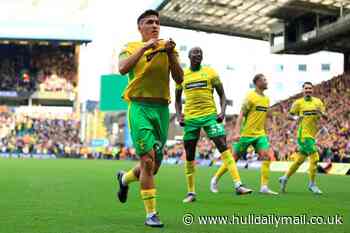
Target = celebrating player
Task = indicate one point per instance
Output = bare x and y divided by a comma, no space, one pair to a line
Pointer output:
307,111
252,132
148,63
200,112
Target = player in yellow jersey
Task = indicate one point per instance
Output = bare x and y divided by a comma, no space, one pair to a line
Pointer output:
308,111
250,130
200,112
148,63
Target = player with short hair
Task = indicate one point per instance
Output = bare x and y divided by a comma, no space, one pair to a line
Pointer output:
200,112
250,130
148,64
308,111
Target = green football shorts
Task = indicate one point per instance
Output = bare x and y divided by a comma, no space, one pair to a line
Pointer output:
307,146
193,127
149,124
260,143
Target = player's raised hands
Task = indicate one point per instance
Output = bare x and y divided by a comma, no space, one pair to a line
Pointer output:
151,44
170,45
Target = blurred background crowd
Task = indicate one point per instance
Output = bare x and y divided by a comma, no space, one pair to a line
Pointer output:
43,68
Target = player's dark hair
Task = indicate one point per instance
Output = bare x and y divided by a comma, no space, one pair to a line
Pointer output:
146,14
307,83
257,77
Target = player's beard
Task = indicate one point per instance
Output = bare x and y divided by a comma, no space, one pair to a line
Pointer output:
308,95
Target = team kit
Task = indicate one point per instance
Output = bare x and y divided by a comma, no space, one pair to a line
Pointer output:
151,64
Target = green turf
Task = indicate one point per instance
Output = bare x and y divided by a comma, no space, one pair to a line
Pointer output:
76,196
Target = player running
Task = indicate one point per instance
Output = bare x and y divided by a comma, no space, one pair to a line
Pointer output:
148,63
200,112
252,132
307,110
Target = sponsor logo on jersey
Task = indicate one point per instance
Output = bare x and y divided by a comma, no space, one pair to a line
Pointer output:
310,113
198,84
261,109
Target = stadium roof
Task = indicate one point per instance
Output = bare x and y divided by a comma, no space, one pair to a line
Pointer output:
245,18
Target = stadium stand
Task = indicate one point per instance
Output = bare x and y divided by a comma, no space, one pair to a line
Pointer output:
39,135
31,68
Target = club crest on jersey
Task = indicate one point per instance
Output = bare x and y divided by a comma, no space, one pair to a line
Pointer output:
198,84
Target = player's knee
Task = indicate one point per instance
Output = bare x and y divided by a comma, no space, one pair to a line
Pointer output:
147,164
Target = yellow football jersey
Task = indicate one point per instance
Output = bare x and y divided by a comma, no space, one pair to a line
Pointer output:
198,87
149,79
308,110
255,107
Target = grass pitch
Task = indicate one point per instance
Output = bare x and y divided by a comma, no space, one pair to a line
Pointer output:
78,196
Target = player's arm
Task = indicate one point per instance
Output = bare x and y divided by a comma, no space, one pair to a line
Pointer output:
237,127
175,68
266,125
293,113
223,103
128,61
247,104
178,105
322,111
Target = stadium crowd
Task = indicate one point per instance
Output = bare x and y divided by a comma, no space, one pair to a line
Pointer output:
39,135
44,68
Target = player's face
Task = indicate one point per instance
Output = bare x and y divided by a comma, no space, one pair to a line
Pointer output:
308,90
149,27
196,56
262,83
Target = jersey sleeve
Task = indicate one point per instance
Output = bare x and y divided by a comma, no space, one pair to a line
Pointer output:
125,52
295,109
215,79
247,105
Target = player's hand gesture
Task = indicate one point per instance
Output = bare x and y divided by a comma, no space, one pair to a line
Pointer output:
181,120
151,44
220,117
170,46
